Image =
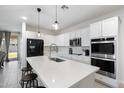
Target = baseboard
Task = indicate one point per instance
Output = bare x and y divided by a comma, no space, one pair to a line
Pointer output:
121,84
106,80
109,86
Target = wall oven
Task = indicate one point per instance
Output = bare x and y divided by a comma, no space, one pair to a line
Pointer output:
103,47
107,67
103,55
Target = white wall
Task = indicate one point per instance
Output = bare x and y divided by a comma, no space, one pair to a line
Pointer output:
22,47
34,29
119,13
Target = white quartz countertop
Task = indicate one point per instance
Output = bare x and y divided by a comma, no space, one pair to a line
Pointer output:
60,74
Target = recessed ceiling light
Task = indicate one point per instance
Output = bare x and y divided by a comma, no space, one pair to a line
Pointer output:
24,18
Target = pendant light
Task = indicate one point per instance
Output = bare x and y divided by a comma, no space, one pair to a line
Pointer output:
56,23
38,10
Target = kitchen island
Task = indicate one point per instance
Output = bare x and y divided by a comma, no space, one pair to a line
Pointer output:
63,74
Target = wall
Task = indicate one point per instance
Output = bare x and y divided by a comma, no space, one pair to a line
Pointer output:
34,29
119,13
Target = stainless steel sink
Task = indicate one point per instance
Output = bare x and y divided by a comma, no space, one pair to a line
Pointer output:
57,59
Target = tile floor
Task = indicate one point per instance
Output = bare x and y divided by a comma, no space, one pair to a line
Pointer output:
11,75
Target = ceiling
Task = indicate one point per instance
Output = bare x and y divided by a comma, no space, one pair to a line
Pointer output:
10,15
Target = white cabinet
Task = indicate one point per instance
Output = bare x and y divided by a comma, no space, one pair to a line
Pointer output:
87,82
95,29
60,40
48,39
85,35
72,35
108,27
66,39
78,34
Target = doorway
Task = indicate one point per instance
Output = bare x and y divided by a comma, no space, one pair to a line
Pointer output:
13,46
12,55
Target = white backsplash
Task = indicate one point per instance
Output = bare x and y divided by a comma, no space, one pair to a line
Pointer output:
64,52
77,50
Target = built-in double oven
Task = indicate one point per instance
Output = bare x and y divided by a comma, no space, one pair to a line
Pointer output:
103,55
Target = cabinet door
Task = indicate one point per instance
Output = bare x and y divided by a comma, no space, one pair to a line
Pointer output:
78,34
72,35
85,35
66,39
110,27
60,40
57,40
95,30
48,39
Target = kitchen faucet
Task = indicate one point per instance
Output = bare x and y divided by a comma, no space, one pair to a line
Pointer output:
53,47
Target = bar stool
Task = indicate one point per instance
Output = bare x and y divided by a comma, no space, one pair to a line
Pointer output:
26,70
29,79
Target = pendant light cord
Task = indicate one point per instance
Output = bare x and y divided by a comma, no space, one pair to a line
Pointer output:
56,12
38,10
38,22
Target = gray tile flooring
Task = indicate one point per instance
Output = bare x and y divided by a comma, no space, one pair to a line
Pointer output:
10,76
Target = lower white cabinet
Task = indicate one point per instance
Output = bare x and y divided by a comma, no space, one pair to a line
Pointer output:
87,82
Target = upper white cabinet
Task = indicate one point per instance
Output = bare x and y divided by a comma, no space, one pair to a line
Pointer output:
62,40
108,27
59,40
66,39
78,34
85,35
72,35
95,29
48,39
